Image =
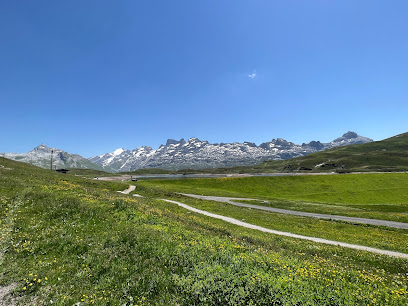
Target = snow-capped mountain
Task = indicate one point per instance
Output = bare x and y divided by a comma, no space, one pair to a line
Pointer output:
124,160
174,155
349,138
197,154
41,156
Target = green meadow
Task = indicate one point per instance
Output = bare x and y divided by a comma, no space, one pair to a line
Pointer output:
287,192
67,240
378,196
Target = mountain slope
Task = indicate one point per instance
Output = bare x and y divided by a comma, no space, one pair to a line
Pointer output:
41,156
386,155
65,238
197,154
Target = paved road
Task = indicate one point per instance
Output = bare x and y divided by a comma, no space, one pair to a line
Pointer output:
301,213
314,239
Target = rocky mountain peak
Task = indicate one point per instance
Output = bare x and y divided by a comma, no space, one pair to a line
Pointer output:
195,142
41,156
349,138
175,142
250,144
144,148
317,145
41,148
280,142
350,135
198,154
118,151
194,139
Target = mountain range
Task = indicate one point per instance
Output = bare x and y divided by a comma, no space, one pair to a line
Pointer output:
388,155
41,156
197,154
182,154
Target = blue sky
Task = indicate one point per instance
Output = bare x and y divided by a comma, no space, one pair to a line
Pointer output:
91,76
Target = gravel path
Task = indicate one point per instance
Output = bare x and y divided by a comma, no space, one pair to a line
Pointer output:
129,190
267,230
314,239
301,213
5,292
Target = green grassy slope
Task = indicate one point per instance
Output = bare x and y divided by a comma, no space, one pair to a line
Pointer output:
373,236
93,173
88,172
67,240
379,196
149,171
387,155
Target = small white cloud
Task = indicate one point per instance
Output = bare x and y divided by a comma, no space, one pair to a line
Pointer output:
252,75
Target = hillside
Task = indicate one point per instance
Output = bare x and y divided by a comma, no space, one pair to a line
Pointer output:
386,155
367,195
72,241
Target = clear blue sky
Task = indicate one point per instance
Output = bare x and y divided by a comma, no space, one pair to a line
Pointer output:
91,76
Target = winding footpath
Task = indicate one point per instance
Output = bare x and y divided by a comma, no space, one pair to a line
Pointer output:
129,190
267,230
300,213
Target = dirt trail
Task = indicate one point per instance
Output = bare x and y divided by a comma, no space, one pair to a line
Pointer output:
267,230
5,292
314,239
129,190
300,213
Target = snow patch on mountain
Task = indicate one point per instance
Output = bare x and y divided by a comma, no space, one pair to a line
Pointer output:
197,154
181,154
118,151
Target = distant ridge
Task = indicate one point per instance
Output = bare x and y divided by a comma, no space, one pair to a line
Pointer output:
389,155
197,154
41,156
181,154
